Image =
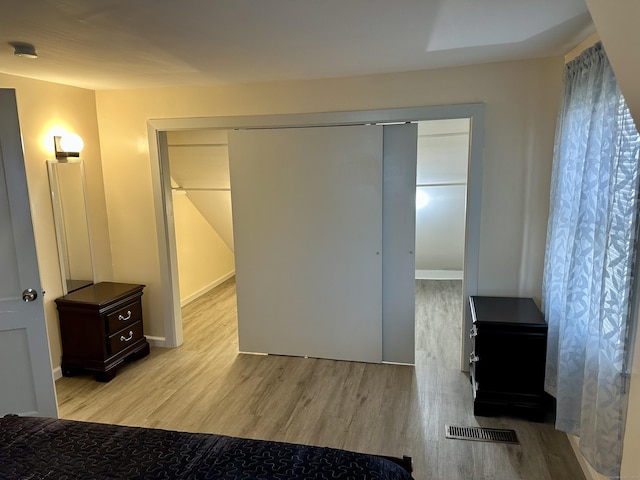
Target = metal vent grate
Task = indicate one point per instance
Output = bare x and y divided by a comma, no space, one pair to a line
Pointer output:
481,434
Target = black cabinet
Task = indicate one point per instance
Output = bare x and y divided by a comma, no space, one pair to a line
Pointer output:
507,363
101,327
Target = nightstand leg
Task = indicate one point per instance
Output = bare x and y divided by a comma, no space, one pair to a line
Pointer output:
105,376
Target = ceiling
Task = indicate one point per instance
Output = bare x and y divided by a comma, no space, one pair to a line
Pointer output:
115,44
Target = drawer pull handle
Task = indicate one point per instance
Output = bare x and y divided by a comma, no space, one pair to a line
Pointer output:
127,339
124,319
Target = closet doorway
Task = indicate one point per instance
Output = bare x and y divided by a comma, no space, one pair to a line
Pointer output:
201,199
441,202
159,133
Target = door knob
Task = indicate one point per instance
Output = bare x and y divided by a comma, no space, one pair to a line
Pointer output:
29,295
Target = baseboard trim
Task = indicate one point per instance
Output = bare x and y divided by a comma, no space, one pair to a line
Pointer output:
588,470
439,274
202,291
156,341
57,373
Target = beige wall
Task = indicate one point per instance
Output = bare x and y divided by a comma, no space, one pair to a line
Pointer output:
203,257
44,108
617,26
521,99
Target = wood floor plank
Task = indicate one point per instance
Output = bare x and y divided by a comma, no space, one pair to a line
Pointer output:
205,385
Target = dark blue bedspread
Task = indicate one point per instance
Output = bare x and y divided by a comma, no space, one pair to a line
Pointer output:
43,448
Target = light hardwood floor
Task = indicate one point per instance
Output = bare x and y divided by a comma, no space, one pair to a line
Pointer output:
206,386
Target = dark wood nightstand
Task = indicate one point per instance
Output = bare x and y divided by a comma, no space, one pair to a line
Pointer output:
508,359
101,327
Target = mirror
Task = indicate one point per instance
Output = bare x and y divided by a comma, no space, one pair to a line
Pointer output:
71,217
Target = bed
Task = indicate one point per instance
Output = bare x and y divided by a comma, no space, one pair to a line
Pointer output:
43,448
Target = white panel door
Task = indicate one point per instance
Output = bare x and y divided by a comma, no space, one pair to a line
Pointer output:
26,381
307,216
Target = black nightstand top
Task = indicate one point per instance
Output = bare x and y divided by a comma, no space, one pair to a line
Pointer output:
100,294
522,311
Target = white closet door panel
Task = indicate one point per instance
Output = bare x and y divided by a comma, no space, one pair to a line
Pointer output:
398,238
307,215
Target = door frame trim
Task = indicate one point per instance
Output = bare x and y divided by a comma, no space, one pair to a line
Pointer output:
158,153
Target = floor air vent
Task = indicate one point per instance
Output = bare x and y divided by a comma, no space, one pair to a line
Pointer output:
481,434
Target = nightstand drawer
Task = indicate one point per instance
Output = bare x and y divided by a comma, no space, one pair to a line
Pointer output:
124,317
125,337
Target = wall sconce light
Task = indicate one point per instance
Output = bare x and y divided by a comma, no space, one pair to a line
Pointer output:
69,145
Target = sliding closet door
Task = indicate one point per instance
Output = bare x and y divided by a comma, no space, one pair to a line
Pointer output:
399,240
307,216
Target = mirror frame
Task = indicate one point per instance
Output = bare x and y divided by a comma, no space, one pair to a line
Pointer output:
58,219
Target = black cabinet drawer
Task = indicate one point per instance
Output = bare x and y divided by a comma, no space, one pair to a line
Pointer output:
124,316
125,338
508,361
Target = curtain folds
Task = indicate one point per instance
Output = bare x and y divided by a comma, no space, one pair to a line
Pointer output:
590,257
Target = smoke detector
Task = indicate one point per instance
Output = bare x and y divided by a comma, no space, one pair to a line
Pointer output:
22,49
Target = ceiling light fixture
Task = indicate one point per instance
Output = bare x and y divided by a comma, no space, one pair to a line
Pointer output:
22,49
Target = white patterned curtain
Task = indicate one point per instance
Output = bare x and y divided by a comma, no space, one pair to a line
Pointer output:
591,243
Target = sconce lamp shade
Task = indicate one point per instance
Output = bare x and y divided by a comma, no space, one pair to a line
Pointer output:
69,145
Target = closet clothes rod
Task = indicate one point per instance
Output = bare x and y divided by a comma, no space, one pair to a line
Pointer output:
194,189
452,184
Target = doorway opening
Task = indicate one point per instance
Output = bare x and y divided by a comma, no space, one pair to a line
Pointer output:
201,198
441,203
160,129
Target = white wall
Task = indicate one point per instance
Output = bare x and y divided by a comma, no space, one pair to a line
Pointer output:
617,26
204,260
521,99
